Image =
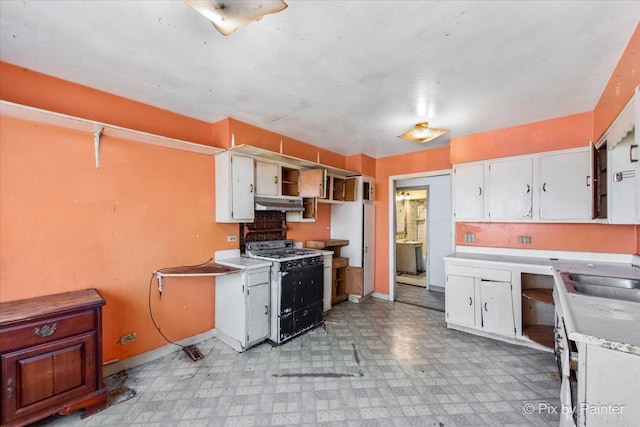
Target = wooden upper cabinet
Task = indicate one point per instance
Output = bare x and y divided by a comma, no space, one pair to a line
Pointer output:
312,183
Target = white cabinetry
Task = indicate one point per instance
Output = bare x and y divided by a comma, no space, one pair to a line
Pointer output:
480,298
510,189
546,187
624,182
234,188
565,186
242,305
468,188
267,179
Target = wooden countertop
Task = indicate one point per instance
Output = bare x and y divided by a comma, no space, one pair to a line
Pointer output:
326,243
208,269
16,311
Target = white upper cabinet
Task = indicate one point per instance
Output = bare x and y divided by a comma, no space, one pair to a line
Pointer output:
468,184
234,188
510,192
624,182
546,187
267,179
564,185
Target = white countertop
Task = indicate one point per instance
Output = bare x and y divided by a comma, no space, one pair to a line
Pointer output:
244,263
599,321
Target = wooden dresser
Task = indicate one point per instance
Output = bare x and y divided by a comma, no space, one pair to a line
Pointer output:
51,356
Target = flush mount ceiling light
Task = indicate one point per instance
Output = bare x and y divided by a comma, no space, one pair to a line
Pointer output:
421,132
228,15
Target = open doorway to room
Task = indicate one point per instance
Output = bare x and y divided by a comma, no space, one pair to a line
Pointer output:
422,230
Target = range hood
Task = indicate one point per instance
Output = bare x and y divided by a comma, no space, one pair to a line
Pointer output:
282,205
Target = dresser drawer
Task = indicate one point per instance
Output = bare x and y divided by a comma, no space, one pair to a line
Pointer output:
46,329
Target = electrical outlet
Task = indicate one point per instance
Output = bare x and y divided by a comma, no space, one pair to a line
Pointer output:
469,237
128,338
524,239
232,238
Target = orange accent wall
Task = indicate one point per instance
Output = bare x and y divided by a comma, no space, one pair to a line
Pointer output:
27,87
67,225
421,161
562,237
362,163
555,134
247,134
620,87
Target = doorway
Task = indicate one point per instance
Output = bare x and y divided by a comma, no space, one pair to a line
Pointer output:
421,231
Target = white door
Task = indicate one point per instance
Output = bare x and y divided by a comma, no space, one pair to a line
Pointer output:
497,307
459,300
267,179
368,259
468,188
510,189
565,186
258,312
242,204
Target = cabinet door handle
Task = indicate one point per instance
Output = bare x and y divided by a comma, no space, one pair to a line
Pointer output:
485,307
46,330
528,188
588,180
266,309
275,179
470,301
631,148
544,187
10,387
250,188
479,191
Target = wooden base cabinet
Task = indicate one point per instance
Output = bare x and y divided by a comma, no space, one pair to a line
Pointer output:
51,356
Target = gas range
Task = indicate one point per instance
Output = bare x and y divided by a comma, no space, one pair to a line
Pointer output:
297,282
278,250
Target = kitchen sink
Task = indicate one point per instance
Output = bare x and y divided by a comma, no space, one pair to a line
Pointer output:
619,288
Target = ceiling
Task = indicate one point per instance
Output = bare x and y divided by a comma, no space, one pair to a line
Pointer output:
348,76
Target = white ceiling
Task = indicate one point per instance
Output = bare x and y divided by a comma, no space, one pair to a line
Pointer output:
345,75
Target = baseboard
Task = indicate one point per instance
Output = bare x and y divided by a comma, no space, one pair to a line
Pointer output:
132,362
380,296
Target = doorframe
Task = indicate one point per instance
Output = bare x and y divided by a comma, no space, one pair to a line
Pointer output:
392,218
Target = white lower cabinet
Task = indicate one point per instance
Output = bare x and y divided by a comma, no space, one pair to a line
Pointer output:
242,307
459,300
481,299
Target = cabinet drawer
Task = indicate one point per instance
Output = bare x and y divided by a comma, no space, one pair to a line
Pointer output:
481,273
46,330
257,278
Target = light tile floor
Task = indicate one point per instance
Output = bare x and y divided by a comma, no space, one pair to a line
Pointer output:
419,295
376,363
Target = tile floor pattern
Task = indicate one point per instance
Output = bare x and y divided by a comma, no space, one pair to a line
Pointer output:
419,295
376,363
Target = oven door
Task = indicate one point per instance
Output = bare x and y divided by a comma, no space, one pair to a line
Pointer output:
301,292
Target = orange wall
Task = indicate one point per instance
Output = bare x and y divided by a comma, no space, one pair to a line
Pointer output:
620,87
246,134
421,161
555,134
67,225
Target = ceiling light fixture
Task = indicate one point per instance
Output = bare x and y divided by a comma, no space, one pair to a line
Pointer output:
421,132
228,15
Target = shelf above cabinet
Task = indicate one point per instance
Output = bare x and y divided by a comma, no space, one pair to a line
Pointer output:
99,129
285,159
